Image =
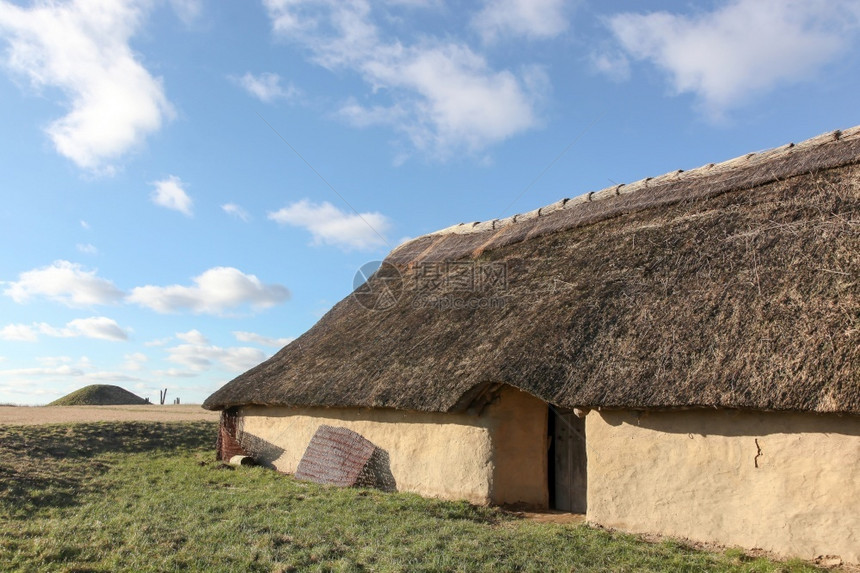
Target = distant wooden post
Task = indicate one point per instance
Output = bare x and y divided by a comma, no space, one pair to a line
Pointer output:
162,394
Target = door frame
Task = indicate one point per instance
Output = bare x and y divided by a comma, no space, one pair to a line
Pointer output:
566,430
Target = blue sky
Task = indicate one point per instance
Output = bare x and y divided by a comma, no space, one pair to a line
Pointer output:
182,180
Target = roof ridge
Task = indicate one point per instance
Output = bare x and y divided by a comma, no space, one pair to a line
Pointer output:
710,169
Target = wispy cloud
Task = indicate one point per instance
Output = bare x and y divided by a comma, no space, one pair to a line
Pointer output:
87,249
193,336
94,327
170,194
187,10
197,354
741,49
57,370
19,332
236,211
135,361
266,87
97,327
82,48
532,19
330,226
63,371
614,65
216,291
442,95
261,340
64,282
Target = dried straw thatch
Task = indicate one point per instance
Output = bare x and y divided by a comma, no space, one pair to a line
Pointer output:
732,285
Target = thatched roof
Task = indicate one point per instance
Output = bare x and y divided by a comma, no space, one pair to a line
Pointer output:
732,285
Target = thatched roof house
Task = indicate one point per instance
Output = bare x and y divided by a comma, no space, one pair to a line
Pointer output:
709,317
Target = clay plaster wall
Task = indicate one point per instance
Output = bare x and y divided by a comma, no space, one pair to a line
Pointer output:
786,483
520,450
498,456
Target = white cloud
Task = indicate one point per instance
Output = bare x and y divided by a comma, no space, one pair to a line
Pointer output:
85,225
743,48
187,10
19,332
54,361
329,225
57,367
201,358
215,291
107,376
615,66
193,337
266,87
441,95
59,371
198,355
82,48
98,327
261,340
177,373
236,211
417,3
135,361
64,282
95,327
56,376
457,101
170,194
61,374
533,19
87,249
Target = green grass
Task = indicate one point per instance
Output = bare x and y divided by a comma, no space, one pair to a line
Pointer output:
99,395
150,497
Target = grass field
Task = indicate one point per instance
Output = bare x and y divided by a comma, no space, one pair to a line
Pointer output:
148,496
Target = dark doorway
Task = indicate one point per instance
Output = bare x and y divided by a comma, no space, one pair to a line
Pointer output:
567,463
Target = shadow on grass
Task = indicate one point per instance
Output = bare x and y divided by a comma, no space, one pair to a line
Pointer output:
52,465
85,440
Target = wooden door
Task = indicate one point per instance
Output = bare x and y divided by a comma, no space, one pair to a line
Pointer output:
569,463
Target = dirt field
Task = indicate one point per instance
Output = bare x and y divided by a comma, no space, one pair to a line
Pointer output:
31,415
